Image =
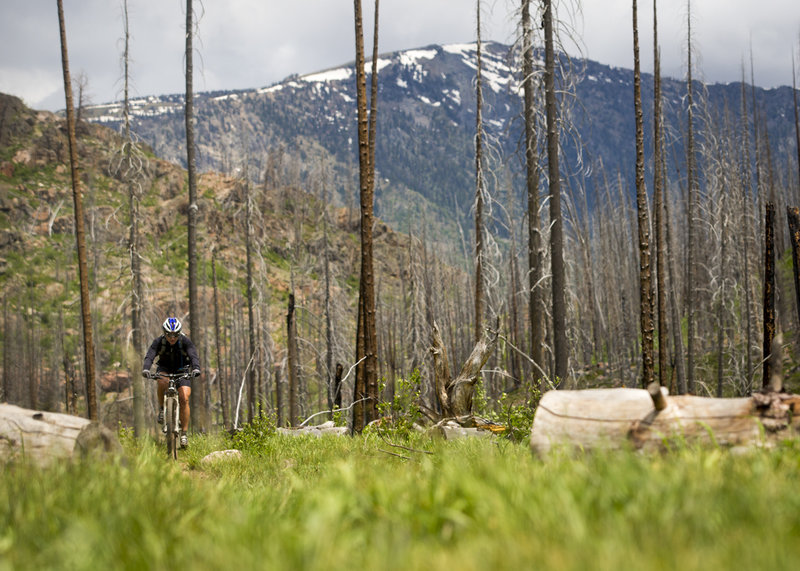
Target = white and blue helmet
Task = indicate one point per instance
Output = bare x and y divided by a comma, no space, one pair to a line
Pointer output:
171,325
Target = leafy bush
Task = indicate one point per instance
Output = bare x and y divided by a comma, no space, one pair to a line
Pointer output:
340,416
517,413
514,410
253,436
402,411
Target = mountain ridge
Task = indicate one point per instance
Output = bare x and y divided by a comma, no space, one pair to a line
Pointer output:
426,125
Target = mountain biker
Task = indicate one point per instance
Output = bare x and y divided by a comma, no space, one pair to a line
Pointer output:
176,354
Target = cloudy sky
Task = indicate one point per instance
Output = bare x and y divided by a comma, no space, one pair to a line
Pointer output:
253,43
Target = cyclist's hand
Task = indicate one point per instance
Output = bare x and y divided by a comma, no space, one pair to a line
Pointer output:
146,374
196,373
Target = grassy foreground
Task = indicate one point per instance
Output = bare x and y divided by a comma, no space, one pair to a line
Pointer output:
344,503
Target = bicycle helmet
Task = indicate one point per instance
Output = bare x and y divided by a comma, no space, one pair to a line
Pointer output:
171,325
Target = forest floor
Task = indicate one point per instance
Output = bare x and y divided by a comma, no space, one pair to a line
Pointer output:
343,503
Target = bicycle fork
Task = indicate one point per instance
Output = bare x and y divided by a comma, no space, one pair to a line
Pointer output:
176,426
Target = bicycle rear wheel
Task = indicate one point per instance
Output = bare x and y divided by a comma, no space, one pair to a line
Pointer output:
170,417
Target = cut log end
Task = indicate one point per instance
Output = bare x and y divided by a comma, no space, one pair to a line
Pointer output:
94,439
658,394
44,437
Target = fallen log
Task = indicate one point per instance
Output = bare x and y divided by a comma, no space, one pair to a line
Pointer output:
43,437
617,418
451,430
465,427
221,455
324,429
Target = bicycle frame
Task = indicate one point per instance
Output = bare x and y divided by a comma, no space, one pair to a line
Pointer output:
171,410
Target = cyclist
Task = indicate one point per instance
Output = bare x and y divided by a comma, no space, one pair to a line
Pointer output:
176,353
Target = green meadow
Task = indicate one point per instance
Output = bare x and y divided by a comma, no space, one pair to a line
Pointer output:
369,502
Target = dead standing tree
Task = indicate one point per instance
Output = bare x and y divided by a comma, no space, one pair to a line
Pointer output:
537,311
455,394
366,385
80,232
769,290
198,403
796,116
658,207
221,378
692,184
645,271
130,165
292,364
558,281
479,188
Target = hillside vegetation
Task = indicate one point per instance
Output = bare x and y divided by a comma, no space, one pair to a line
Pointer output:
712,273
287,150
41,334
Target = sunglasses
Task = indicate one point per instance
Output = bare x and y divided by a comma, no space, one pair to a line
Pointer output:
172,335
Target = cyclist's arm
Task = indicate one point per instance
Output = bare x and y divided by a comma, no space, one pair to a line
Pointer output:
191,350
151,354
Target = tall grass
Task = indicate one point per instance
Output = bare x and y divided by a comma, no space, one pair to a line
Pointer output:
344,503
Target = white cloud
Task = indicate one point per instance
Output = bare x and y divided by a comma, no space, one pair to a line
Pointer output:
253,43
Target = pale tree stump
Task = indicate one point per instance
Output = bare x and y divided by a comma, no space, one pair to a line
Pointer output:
455,393
44,437
617,418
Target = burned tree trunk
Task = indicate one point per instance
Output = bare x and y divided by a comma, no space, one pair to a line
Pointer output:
197,397
80,232
769,290
337,386
292,364
455,394
221,380
365,391
645,270
536,259
793,214
557,265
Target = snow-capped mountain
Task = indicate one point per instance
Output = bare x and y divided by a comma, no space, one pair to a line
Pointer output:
426,126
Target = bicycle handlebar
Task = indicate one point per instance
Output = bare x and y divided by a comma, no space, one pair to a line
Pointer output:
172,375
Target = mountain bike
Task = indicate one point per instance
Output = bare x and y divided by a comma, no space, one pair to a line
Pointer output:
171,410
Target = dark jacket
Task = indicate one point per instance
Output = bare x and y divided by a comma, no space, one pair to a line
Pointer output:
181,355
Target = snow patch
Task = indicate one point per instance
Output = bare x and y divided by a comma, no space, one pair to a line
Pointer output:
339,74
411,57
429,102
453,94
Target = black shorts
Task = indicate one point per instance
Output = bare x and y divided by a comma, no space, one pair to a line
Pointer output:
182,382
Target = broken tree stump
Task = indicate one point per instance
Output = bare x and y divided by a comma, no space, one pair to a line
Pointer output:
43,437
617,418
455,394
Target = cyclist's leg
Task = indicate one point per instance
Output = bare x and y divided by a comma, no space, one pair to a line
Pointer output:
184,393
160,390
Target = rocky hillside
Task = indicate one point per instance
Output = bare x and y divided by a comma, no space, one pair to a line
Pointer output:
38,262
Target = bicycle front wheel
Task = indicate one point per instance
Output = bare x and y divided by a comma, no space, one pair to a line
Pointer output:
170,420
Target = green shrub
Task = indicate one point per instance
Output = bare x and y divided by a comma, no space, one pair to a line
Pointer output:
402,411
253,436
